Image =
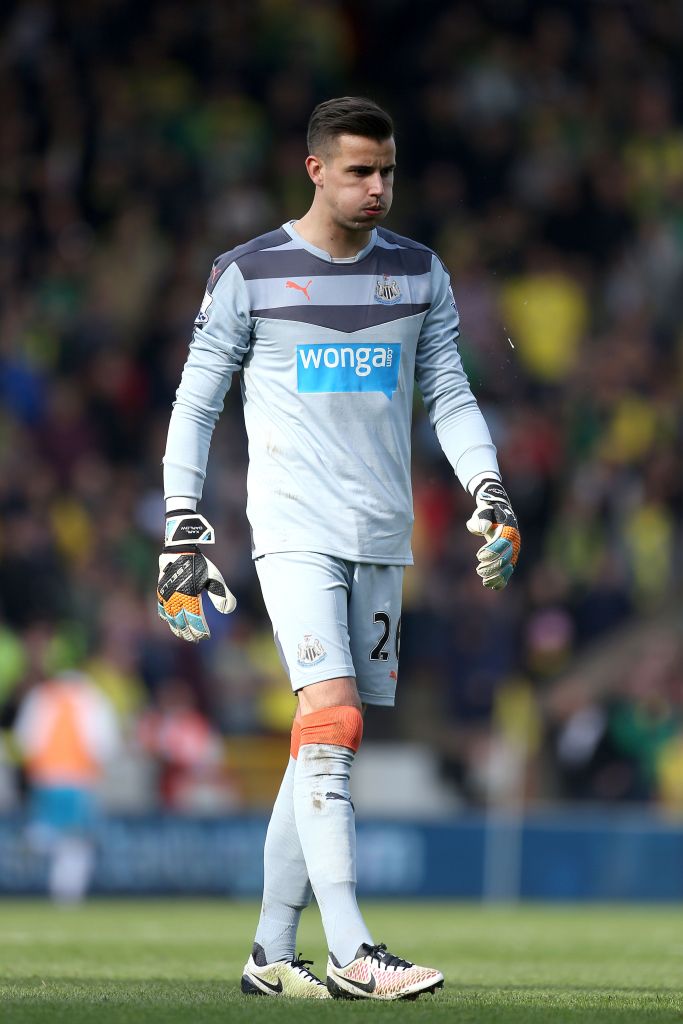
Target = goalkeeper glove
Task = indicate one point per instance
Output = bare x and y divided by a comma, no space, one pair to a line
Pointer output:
184,572
494,519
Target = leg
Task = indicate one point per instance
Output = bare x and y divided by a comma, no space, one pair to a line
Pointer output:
272,969
286,888
331,730
374,628
297,588
71,868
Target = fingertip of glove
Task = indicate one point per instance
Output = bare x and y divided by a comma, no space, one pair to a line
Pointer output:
197,638
501,580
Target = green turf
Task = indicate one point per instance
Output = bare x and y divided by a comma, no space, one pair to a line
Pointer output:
174,962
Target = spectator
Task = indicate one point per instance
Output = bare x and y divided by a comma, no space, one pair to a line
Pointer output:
66,731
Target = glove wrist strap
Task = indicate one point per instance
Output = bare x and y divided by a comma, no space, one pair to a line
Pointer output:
186,528
486,482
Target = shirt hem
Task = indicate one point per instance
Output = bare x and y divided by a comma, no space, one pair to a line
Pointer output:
376,699
322,549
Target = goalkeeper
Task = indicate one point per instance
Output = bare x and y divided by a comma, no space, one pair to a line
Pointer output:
329,320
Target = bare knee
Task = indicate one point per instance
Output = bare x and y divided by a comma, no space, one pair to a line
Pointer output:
329,693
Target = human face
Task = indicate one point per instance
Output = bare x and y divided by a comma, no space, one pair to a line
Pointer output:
355,181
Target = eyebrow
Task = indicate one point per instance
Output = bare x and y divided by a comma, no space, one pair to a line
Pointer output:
368,169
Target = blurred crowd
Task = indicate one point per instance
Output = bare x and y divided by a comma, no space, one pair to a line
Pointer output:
540,152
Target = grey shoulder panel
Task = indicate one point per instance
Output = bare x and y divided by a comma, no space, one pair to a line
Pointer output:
222,262
401,242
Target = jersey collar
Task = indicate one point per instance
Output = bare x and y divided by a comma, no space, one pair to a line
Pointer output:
321,254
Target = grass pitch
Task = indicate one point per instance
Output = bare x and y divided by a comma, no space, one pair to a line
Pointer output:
145,962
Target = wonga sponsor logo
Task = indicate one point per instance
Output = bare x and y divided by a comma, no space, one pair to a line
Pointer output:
345,368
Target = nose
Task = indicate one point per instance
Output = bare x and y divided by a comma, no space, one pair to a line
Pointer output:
376,185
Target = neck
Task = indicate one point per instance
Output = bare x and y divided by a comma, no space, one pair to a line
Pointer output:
341,243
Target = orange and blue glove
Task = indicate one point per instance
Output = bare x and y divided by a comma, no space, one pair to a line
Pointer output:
494,519
185,573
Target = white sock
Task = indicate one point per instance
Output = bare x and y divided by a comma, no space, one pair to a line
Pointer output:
286,888
326,826
71,868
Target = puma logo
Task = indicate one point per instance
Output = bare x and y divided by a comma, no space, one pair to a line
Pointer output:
300,288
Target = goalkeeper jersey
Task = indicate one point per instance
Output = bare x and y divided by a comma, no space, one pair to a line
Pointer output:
328,352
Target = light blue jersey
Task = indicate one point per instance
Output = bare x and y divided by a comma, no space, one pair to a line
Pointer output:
328,352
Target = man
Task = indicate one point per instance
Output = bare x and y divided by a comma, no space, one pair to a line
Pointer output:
329,320
66,730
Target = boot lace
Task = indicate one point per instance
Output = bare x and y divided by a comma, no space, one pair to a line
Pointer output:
383,956
299,964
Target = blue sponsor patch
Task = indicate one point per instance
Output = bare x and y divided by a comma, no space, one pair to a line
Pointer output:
345,368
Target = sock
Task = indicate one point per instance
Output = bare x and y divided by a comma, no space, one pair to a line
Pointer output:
326,826
71,868
286,888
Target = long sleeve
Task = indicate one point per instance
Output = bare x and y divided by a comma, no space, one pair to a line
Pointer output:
221,340
453,409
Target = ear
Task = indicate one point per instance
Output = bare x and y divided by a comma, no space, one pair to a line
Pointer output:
316,170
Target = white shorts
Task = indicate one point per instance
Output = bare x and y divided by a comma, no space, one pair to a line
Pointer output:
335,618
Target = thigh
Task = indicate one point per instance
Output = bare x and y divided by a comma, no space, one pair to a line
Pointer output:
375,628
306,596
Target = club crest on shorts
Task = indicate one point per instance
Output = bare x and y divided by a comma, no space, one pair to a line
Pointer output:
387,291
310,651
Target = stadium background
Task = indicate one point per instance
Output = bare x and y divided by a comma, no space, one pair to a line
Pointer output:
541,154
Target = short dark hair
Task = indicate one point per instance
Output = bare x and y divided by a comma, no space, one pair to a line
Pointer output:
347,115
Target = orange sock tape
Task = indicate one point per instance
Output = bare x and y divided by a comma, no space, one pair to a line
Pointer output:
341,726
295,741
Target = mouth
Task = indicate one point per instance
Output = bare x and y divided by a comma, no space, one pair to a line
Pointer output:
373,211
